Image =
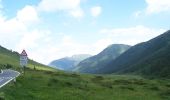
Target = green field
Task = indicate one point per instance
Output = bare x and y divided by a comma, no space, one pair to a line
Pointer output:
57,85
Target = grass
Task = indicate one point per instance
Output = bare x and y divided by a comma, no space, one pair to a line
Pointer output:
56,85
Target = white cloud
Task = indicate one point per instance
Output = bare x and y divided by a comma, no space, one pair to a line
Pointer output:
156,6
20,23
70,6
45,49
96,11
70,46
27,15
36,43
77,13
12,29
132,35
16,32
30,39
57,5
40,44
102,44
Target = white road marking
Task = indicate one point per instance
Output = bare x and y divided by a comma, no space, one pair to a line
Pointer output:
6,76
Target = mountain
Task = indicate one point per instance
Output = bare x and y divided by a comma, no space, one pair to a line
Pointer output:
68,63
95,63
147,58
10,59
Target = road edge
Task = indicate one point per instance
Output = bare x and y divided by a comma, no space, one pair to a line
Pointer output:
11,78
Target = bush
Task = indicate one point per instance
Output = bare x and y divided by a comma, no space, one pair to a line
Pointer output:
68,84
127,87
52,81
154,88
8,66
97,78
122,82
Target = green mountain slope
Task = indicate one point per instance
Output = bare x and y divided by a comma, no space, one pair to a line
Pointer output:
9,58
148,58
95,63
68,63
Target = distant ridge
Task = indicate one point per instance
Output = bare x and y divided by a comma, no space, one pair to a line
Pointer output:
68,63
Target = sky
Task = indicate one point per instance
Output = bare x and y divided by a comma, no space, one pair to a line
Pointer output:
52,29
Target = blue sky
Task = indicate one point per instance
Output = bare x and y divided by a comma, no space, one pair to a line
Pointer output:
51,29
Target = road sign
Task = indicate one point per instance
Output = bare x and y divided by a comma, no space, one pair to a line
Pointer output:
23,58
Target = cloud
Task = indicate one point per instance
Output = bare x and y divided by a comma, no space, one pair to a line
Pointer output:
36,43
17,33
96,11
67,46
13,29
20,23
157,6
31,39
132,35
77,13
10,30
101,44
27,15
57,5
154,7
70,6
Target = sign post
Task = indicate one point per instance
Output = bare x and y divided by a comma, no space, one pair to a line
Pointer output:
23,60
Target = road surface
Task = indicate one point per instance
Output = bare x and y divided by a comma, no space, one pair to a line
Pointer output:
7,75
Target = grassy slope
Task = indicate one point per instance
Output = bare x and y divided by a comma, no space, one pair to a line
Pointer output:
47,85
12,58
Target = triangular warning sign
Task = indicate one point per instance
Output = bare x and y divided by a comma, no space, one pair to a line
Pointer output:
23,53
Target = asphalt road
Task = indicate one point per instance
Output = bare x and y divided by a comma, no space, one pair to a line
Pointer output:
7,75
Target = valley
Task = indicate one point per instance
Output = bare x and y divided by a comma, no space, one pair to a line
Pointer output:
84,50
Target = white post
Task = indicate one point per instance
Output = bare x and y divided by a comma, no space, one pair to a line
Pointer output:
14,80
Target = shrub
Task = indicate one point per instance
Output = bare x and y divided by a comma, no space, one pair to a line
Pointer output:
97,78
8,66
